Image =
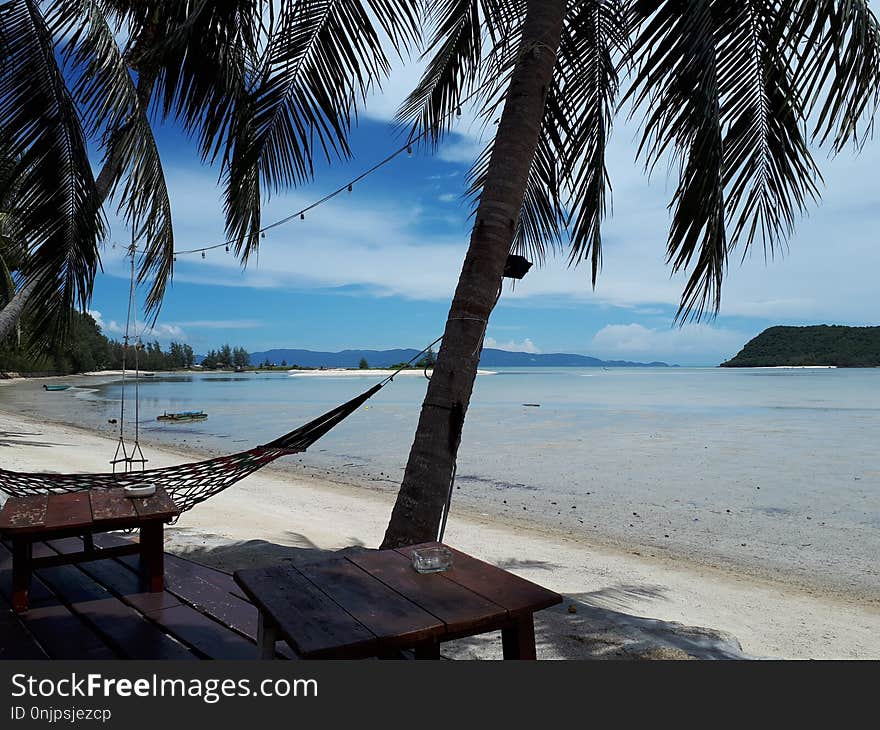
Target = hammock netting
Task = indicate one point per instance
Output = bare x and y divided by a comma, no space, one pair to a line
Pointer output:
188,484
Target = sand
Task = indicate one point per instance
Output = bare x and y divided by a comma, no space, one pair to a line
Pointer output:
619,602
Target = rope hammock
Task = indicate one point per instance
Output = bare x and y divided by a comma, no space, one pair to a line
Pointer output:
189,484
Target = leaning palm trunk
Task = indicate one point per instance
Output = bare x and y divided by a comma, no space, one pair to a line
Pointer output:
423,495
12,312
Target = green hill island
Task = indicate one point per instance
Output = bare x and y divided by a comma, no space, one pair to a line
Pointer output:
817,345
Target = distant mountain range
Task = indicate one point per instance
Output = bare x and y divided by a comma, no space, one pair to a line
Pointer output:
384,358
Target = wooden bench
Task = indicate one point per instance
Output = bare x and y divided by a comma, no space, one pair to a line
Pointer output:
27,520
374,603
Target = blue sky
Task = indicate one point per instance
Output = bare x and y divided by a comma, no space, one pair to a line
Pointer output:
376,268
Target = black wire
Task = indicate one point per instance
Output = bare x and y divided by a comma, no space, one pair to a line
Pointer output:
343,188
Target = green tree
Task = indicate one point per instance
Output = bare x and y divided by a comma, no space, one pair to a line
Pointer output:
363,364
240,357
729,93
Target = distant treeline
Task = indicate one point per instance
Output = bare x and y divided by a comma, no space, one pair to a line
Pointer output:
853,347
86,349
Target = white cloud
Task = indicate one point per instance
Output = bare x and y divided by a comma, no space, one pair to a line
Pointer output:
693,343
167,331
96,315
512,346
383,242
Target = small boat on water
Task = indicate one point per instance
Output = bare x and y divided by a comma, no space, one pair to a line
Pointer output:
182,417
55,387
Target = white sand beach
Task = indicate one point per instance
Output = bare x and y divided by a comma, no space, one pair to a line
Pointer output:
619,603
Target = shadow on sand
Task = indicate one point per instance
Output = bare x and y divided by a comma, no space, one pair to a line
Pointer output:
8,438
595,625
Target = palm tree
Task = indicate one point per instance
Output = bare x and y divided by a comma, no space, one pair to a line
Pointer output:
731,94
261,86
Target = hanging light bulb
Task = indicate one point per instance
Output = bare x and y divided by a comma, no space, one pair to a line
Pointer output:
175,259
350,187
458,111
227,248
203,254
302,216
409,150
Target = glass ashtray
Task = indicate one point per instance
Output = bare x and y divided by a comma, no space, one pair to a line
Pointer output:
432,559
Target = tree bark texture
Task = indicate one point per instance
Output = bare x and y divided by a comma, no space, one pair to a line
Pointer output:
423,494
11,313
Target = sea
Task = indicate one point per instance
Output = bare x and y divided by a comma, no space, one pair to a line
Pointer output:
775,471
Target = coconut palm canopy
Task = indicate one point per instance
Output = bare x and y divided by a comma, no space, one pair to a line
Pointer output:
261,87
731,94
734,96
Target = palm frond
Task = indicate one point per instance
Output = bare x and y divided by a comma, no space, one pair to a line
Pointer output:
595,40
116,109
456,47
676,83
57,207
837,49
472,52
769,173
321,62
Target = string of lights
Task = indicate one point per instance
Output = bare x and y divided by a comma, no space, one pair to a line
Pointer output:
346,187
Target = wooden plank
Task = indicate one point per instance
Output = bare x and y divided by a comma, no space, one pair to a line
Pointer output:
516,594
158,507
24,514
209,590
66,511
16,642
208,637
64,635
458,607
130,633
394,620
71,585
195,584
306,617
111,505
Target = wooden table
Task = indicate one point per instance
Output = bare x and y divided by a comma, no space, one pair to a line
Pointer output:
374,603
26,520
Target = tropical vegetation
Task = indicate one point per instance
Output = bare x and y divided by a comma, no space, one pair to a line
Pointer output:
848,347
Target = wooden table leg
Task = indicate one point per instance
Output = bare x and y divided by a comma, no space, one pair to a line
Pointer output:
429,649
22,553
518,638
267,635
153,556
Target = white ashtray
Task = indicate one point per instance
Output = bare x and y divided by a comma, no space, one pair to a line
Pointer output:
145,491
